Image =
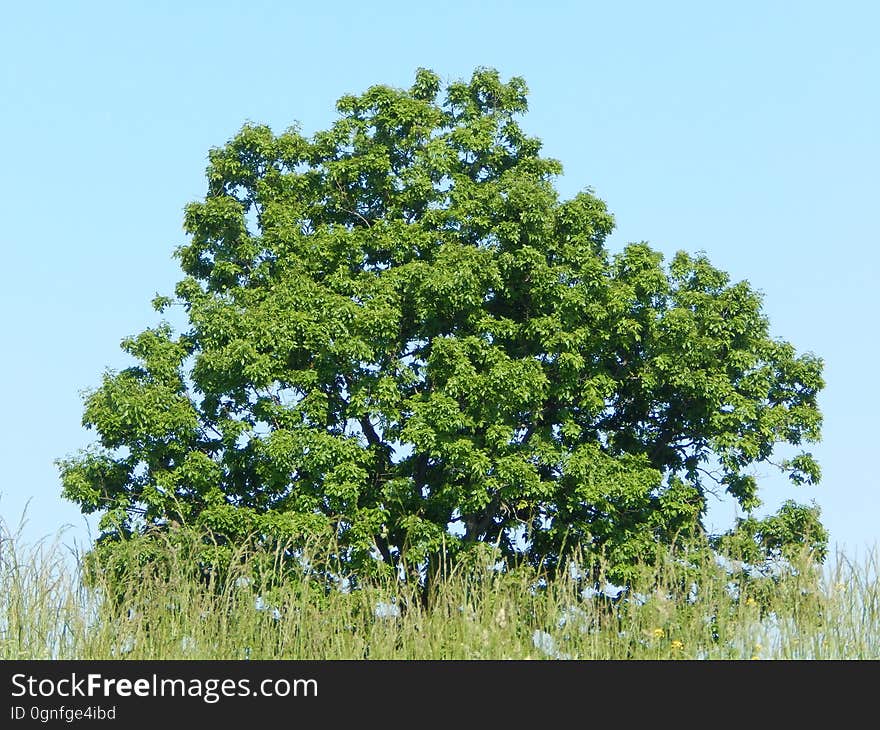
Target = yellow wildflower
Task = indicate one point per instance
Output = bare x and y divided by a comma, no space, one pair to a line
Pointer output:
658,633
677,645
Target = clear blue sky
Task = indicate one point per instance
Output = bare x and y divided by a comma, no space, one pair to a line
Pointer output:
748,130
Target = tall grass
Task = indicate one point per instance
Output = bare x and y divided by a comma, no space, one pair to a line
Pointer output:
46,611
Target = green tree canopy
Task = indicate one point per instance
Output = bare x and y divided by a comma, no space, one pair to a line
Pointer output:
400,337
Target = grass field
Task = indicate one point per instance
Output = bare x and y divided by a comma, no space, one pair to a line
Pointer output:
480,613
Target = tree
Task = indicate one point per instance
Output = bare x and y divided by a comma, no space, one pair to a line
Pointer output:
401,338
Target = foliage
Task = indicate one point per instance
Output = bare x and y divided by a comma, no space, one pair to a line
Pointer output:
402,339
478,613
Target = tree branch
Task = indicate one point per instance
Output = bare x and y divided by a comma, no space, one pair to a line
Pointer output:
369,431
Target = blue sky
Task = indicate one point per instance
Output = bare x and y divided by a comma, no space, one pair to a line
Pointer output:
748,131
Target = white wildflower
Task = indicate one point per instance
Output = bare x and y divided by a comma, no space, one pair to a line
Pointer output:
387,609
546,644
